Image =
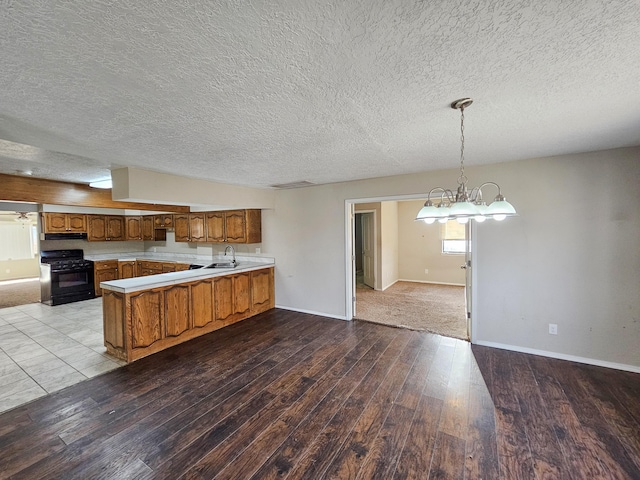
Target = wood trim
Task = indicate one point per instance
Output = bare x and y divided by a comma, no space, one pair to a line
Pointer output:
39,190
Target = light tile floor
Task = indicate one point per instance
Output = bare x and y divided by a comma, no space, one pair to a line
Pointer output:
44,349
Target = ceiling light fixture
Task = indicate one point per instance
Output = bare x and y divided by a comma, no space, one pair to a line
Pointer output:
101,184
23,217
465,204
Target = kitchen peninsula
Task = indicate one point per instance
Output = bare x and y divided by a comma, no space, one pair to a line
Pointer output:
143,315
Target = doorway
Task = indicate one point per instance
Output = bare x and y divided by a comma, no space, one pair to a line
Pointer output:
424,292
19,256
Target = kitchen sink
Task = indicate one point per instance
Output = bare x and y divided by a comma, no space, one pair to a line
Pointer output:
222,265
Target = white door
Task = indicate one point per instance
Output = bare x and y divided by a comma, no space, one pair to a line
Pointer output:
368,239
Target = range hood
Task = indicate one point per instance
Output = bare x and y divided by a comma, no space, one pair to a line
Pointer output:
65,236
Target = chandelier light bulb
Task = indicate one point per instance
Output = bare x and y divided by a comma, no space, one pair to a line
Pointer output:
443,219
429,221
462,220
499,218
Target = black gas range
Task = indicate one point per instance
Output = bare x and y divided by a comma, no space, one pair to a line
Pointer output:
65,276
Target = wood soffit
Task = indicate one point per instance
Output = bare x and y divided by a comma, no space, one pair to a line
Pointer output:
37,190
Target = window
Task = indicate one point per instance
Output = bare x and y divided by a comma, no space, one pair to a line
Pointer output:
17,241
453,238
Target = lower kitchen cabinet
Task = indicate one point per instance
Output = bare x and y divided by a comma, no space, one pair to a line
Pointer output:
202,312
142,323
176,310
103,271
127,269
146,318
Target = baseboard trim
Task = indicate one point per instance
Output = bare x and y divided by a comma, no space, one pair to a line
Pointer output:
435,283
390,285
562,356
312,312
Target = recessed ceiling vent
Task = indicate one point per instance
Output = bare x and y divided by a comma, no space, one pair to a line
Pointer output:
300,184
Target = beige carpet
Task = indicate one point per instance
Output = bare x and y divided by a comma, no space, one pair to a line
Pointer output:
19,293
418,306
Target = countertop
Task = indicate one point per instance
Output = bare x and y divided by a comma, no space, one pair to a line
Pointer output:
177,258
136,284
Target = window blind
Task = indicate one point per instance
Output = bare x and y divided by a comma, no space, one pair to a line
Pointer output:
453,230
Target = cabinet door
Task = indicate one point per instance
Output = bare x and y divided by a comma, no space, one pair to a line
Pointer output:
235,226
146,318
55,223
147,228
181,224
202,303
223,294
260,289
164,220
127,269
215,227
104,276
176,310
115,228
76,223
97,228
241,293
196,227
133,228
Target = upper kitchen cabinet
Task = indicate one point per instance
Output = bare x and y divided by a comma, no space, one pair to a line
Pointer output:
148,228
196,227
234,226
64,222
181,226
106,228
163,221
133,228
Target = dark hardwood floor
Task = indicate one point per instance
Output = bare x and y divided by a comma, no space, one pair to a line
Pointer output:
289,395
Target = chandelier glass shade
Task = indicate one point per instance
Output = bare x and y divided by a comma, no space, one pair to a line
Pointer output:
465,204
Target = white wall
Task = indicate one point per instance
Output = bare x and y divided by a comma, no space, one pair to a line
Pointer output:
421,248
389,243
570,258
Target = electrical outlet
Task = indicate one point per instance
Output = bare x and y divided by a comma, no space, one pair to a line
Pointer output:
426,271
257,249
553,329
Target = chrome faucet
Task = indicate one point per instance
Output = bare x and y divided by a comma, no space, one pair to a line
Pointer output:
233,251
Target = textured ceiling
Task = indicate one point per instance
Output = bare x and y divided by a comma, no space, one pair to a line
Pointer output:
269,92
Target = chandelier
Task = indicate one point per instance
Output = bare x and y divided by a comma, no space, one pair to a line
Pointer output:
465,204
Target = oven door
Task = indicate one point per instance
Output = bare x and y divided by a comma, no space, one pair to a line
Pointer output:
71,285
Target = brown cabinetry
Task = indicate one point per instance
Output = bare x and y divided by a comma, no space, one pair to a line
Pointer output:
261,290
113,320
146,318
146,267
103,228
164,220
148,228
127,269
202,312
176,310
181,226
234,226
227,226
64,223
196,227
133,228
141,323
103,271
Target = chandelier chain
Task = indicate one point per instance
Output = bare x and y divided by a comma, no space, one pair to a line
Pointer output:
462,179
